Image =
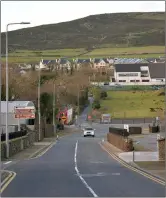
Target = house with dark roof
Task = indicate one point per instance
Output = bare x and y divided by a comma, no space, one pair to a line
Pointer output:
81,62
138,72
45,64
157,72
100,64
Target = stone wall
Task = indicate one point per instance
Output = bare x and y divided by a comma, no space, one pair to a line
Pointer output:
161,148
120,142
18,144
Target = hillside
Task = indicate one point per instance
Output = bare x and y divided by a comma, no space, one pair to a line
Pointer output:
105,30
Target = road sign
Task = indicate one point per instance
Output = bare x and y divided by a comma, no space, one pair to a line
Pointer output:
63,118
24,112
89,117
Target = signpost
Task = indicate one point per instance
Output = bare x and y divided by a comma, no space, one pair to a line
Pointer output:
63,118
22,112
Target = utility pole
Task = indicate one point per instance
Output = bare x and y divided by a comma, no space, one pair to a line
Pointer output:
78,101
58,100
53,121
39,115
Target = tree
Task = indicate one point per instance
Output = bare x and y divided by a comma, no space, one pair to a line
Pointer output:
46,101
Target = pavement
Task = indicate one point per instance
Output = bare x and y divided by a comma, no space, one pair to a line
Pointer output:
139,156
148,141
78,167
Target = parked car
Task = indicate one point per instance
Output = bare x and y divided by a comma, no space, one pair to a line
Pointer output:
89,132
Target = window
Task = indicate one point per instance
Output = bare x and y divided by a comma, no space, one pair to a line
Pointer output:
122,80
127,74
145,80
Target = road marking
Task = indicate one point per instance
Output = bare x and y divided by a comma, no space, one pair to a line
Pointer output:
7,181
7,162
79,175
99,174
132,168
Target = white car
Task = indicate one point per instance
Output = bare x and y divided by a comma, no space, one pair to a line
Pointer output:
89,132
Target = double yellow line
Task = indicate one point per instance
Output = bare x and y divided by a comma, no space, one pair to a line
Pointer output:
132,168
7,180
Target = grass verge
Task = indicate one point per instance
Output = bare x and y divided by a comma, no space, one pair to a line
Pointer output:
24,56
133,104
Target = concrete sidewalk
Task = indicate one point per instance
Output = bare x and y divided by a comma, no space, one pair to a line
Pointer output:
146,161
139,156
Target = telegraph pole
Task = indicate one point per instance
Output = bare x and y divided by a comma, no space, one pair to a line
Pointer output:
53,121
39,115
78,101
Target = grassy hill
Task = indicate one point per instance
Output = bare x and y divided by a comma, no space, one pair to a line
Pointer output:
97,31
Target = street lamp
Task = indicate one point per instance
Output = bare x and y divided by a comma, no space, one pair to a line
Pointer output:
7,84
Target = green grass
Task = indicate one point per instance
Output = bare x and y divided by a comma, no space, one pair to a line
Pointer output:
152,165
132,104
20,56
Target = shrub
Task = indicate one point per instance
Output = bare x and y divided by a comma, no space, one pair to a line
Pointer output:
96,105
103,94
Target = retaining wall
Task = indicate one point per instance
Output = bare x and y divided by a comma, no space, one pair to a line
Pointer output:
123,143
161,148
18,144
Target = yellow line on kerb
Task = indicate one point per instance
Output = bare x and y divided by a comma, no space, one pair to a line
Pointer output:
8,180
132,168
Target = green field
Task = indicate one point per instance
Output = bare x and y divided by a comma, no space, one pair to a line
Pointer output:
132,104
130,52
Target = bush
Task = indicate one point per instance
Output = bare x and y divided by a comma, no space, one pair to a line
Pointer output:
96,105
103,94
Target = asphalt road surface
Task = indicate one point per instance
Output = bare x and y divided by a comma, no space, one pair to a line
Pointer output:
78,167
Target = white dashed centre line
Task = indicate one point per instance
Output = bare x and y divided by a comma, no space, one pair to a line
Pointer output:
79,175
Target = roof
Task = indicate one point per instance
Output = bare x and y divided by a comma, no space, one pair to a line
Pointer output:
106,60
129,67
157,70
46,62
98,60
80,61
12,104
129,60
63,61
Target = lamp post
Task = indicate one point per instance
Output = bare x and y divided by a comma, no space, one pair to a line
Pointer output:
7,85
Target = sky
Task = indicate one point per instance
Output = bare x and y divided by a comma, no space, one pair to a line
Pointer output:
51,12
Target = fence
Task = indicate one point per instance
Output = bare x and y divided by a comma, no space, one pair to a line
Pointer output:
127,121
13,135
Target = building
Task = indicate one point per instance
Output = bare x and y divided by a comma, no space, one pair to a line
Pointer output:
139,72
12,121
130,72
157,72
99,63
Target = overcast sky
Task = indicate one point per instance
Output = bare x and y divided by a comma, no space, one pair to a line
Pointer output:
46,12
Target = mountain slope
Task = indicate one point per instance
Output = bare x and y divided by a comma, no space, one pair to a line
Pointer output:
133,29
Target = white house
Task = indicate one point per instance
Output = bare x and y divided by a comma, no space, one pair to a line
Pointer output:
130,72
139,72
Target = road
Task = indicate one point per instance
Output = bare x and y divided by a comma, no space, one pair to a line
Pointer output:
78,167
